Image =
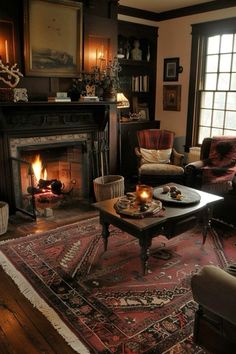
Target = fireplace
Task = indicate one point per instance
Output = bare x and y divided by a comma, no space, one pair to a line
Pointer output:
66,139
50,172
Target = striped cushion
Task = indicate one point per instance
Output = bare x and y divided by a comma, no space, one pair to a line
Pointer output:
155,139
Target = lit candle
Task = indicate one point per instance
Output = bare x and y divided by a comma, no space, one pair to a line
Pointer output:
6,51
96,57
144,196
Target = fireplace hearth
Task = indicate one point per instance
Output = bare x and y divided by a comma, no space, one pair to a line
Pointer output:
50,174
64,138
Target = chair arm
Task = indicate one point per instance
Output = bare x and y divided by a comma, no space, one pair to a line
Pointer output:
215,290
194,166
177,158
139,155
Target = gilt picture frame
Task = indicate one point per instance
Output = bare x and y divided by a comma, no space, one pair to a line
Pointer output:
53,38
171,97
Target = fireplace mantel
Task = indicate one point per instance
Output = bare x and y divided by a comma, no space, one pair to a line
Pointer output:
26,119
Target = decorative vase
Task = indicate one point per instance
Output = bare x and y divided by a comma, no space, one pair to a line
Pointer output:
109,95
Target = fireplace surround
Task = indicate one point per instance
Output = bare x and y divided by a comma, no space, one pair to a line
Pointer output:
40,126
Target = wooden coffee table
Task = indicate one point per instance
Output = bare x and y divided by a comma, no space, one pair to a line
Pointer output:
177,219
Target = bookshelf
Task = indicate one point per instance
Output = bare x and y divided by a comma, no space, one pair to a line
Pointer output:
138,77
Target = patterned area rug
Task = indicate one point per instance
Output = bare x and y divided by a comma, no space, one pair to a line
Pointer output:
108,306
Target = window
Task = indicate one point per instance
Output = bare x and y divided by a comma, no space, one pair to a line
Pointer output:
212,91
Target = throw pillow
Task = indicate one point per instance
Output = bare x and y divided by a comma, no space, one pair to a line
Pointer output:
155,156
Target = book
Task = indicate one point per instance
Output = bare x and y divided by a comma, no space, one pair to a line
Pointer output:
59,99
89,98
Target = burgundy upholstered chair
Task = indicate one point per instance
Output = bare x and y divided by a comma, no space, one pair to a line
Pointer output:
215,173
158,161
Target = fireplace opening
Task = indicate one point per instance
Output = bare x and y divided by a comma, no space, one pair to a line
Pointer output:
50,176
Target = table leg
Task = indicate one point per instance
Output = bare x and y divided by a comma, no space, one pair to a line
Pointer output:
207,215
145,243
105,233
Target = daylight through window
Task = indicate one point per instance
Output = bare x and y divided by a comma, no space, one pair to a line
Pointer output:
217,88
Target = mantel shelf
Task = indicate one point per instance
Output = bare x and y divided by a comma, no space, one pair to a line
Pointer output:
55,104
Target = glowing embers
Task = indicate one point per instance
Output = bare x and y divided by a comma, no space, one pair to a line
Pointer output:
45,191
52,176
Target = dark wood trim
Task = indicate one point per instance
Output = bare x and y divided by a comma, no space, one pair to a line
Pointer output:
133,12
196,9
192,93
184,11
198,32
227,25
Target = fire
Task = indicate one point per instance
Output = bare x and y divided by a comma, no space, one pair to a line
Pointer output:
39,170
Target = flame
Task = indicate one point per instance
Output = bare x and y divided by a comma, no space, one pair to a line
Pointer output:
39,171
45,174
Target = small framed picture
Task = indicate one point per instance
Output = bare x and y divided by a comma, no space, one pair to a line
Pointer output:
143,113
171,97
171,69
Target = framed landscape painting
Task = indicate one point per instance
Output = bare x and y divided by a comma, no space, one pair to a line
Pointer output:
53,38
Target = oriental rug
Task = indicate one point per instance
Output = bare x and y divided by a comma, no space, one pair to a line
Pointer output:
99,301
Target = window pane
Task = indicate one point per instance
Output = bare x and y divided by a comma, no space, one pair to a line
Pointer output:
226,43
223,82
213,45
203,133
234,43
212,63
230,120
215,132
210,83
225,62
233,82
205,117
207,99
229,132
219,101
234,63
218,119
231,101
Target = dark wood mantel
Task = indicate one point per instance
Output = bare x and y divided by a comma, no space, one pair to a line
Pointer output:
26,119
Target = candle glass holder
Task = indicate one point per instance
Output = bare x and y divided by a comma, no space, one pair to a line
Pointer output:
144,194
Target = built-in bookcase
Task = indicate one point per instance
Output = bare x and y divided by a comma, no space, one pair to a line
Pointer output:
138,77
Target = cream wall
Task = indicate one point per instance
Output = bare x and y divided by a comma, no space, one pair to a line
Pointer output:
174,40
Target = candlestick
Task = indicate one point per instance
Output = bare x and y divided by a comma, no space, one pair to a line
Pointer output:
6,51
96,57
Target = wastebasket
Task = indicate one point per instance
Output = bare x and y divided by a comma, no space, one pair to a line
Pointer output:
4,215
108,187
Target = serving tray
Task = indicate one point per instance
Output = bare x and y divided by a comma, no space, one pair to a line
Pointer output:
188,196
133,210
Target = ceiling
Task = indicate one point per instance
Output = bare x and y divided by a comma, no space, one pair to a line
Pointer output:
159,6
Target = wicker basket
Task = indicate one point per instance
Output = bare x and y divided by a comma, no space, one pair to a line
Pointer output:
108,187
4,214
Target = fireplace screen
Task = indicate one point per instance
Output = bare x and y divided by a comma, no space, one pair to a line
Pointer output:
50,176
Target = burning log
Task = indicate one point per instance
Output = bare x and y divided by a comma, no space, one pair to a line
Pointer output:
54,185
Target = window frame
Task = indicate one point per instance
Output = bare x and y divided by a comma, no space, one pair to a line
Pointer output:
200,32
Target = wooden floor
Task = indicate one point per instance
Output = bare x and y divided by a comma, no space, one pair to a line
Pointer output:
23,329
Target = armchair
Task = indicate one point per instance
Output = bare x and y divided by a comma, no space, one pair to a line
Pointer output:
214,290
215,173
157,160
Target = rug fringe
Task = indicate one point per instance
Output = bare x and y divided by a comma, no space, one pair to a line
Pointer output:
28,291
